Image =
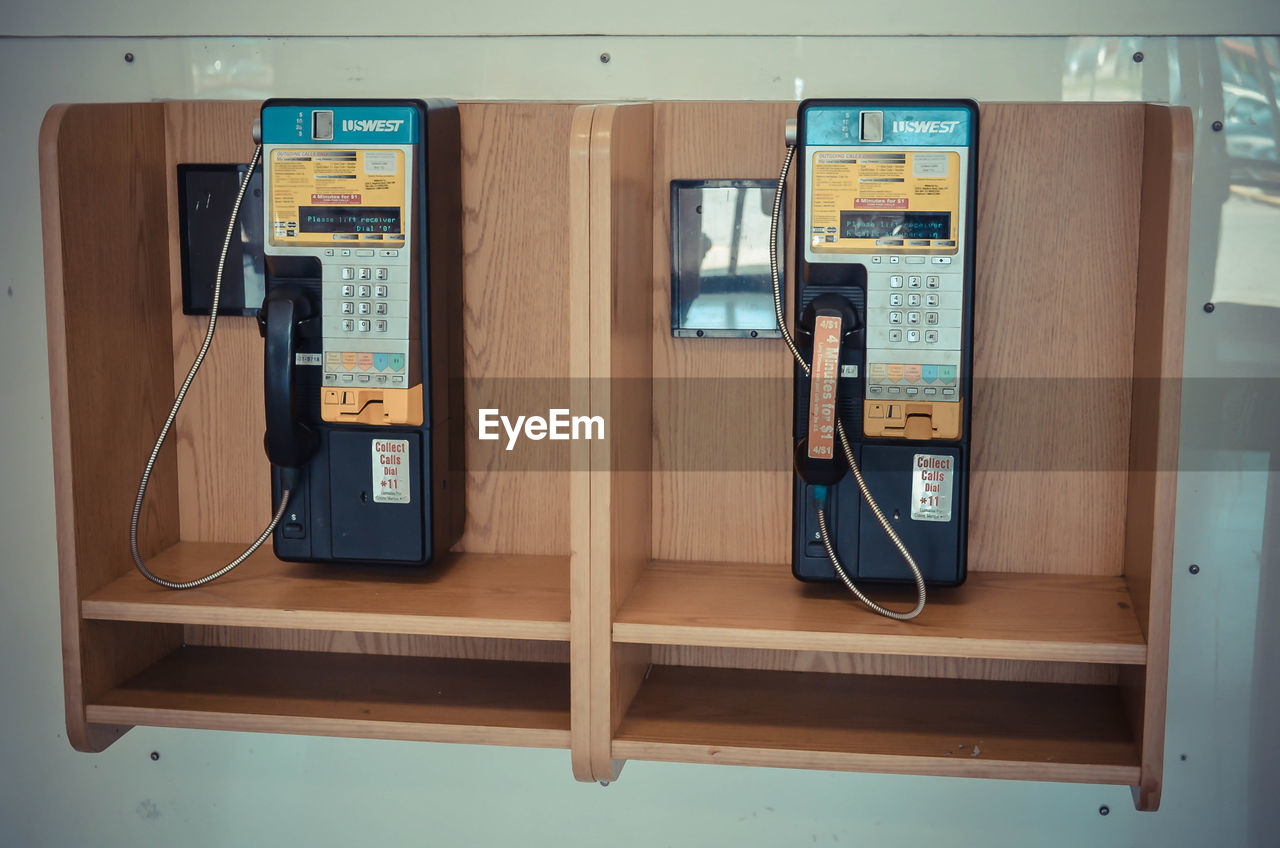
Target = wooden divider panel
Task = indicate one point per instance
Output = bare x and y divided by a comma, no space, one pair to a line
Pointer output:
109,371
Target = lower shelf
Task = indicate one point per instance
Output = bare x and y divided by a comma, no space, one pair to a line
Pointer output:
321,694
971,728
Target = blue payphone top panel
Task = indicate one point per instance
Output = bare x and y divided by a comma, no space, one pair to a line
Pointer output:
340,123
902,125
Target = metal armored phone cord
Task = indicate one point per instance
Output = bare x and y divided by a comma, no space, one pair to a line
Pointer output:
844,439
173,414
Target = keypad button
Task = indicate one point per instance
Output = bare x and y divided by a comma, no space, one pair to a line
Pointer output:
397,378
328,251
913,336
362,326
346,378
930,392
331,378
913,281
942,260
380,273
895,317
913,317
895,335
948,393
348,308
379,378
895,300
913,300
388,254
348,291
348,325
895,282
931,281
348,273
915,260
931,317
364,308
931,300
364,251
875,390
364,274
346,251
894,390
380,308
931,336
379,291
875,260
380,326
364,291
893,260
363,378
912,391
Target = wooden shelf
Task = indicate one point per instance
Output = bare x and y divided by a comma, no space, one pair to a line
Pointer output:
486,595
970,728
432,700
1063,618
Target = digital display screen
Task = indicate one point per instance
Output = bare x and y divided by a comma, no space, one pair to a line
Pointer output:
349,219
907,225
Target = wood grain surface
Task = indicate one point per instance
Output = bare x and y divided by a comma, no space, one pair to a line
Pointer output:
102,204
476,702
996,616
969,728
1157,399
388,644
486,595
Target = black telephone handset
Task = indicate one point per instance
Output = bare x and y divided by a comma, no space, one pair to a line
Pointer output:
285,315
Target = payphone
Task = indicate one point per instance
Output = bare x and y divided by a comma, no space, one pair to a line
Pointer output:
361,324
885,211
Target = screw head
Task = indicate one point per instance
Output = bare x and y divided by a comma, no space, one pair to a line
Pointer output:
1208,307
128,57
1194,569
604,58
1138,57
1104,810
1182,757
1217,126
155,755
699,334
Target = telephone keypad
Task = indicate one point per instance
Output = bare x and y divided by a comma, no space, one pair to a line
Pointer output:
354,309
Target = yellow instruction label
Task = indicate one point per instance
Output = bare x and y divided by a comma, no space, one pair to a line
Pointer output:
884,201
322,196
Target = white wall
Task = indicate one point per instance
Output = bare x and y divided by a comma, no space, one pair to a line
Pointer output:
222,788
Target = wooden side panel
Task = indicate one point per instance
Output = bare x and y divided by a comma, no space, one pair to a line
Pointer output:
515,271
1058,205
1056,264
580,572
109,370
621,169
1157,397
